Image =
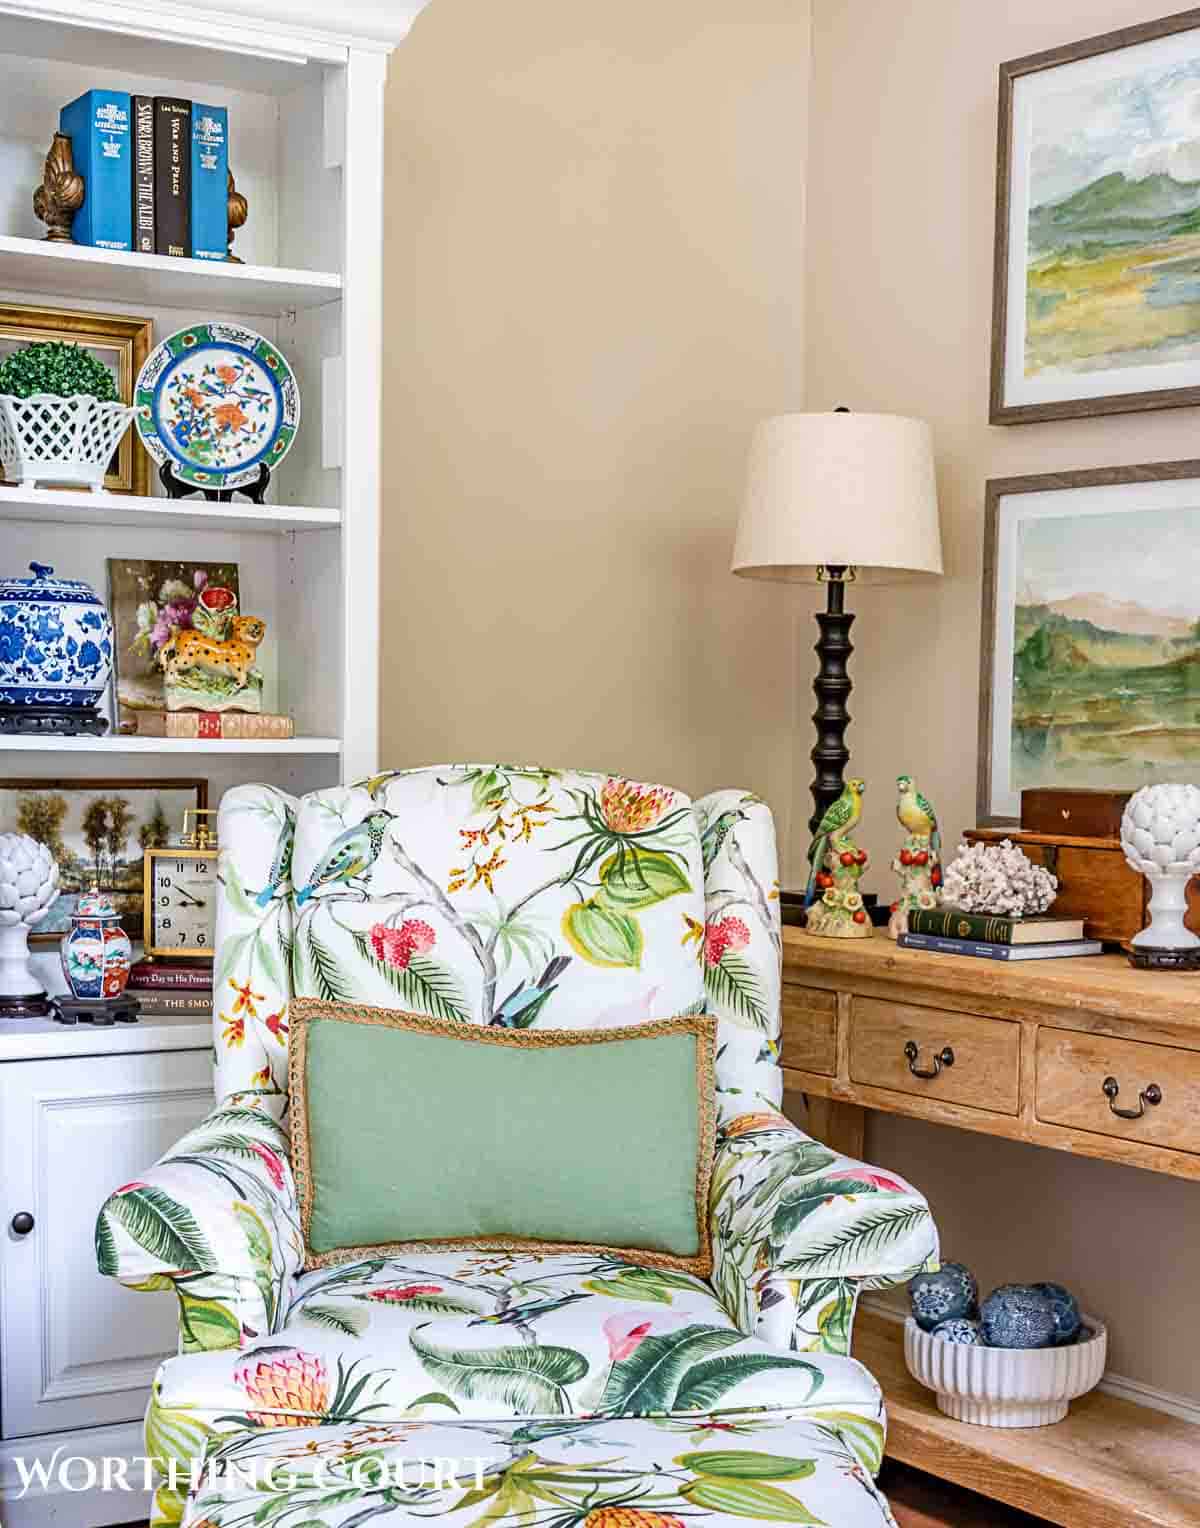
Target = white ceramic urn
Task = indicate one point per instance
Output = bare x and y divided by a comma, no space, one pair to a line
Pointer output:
1160,833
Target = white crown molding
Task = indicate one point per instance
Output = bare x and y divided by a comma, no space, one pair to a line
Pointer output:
283,26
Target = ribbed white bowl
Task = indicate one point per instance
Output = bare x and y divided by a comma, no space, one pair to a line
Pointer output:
1006,1387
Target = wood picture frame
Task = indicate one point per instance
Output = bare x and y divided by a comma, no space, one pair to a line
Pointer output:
115,872
123,343
1116,729
1099,281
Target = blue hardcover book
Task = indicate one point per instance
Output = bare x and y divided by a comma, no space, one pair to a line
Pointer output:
98,125
210,167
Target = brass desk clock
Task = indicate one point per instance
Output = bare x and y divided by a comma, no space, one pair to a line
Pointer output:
180,894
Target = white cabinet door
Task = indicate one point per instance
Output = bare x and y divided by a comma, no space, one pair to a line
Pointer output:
79,1350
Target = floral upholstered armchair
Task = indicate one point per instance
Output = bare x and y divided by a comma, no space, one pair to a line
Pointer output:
516,897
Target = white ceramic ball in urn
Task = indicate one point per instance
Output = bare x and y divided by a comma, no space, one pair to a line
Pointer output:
28,887
1160,833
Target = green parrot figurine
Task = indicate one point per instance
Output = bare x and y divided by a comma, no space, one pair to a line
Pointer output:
839,820
916,815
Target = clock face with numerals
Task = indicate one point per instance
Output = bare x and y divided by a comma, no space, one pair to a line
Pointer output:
181,887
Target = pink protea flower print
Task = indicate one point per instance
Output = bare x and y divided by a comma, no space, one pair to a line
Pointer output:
879,1181
628,1329
421,936
722,936
625,1334
631,808
401,1293
397,946
293,1389
271,1161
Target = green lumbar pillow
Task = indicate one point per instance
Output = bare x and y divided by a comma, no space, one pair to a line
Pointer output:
410,1130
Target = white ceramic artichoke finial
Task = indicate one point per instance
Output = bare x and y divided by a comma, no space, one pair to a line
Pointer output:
1160,833
28,886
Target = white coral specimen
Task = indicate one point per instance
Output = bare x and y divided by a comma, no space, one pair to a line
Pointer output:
1161,829
998,879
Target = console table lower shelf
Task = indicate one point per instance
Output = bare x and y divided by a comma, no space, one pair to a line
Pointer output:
1109,1464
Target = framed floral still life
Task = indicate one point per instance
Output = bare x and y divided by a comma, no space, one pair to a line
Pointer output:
98,831
1090,666
121,343
1096,298
147,601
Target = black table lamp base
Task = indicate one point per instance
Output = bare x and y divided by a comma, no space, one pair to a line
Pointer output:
832,688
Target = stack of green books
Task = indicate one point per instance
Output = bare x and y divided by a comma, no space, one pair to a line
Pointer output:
947,931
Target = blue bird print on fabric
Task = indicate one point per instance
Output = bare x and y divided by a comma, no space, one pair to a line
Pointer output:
281,864
524,1003
350,856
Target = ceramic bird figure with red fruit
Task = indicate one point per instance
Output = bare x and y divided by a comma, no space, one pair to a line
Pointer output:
919,862
834,902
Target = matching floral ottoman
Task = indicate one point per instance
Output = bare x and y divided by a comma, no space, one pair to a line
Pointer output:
719,1472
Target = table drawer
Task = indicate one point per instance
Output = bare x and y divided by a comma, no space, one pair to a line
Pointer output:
810,1029
986,1053
1072,1069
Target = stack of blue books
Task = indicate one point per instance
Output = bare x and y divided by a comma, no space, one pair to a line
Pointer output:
154,170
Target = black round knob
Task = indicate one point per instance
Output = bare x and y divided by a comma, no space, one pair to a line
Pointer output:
21,1223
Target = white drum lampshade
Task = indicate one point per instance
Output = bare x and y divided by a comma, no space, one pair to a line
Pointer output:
839,490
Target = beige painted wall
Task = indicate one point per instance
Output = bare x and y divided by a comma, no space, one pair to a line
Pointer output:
902,174
594,287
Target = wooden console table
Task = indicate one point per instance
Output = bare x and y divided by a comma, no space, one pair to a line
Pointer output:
1087,1056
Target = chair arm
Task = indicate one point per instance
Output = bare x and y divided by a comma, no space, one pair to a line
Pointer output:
793,1220
216,1219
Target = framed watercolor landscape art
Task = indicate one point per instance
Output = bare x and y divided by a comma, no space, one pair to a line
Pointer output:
1096,305
1090,660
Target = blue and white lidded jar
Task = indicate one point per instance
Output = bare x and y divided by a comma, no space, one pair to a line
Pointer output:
96,954
56,642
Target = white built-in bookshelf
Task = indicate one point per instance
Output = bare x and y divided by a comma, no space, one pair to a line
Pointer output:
82,1109
306,147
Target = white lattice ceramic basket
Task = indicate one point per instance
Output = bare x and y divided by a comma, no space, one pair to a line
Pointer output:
45,439
1006,1387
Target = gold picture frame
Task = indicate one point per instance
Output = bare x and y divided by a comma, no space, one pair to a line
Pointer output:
123,341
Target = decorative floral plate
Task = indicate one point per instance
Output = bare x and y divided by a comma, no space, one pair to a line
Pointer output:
216,401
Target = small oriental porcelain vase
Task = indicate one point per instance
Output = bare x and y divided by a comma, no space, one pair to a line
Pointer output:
96,953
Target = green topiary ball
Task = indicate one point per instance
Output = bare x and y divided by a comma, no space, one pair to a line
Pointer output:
51,366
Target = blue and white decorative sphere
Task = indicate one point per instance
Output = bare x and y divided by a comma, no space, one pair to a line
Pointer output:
1067,1320
947,1295
967,1334
1018,1316
56,641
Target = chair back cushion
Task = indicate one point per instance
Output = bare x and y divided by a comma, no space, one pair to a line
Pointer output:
492,894
501,895
525,1136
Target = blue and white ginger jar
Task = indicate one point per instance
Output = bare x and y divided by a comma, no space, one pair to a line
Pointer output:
56,641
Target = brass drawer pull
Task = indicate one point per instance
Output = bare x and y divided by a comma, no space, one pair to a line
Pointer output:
1150,1095
945,1057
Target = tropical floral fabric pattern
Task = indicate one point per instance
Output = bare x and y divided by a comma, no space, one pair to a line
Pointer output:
487,1335
216,1219
799,1231
512,896
577,1474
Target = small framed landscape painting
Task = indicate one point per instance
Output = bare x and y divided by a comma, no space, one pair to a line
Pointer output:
1097,264
1090,668
98,831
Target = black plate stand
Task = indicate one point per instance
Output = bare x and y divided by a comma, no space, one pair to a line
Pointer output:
178,489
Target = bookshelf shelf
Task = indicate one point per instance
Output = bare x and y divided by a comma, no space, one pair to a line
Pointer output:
55,506
213,286
168,745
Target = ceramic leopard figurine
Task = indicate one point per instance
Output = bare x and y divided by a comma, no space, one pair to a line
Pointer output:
233,656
